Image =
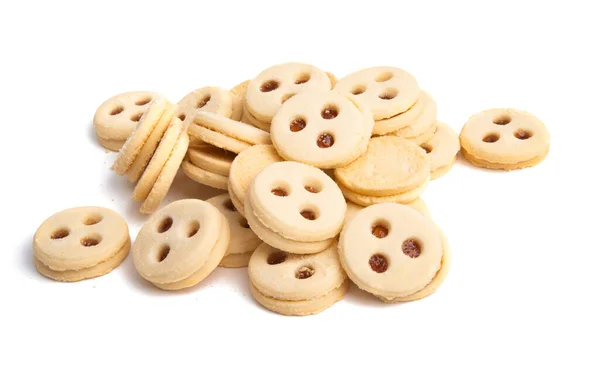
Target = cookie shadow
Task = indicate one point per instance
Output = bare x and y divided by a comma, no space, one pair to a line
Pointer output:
357,296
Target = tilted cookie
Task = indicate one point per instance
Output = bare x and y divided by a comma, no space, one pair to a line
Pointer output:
385,90
202,176
406,197
250,119
239,97
297,201
110,144
243,241
80,243
442,149
404,119
233,129
181,244
217,139
211,158
211,99
271,88
391,250
117,117
424,125
296,285
504,139
321,128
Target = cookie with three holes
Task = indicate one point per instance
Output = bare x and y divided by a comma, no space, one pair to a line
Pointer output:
393,252
80,243
504,139
181,244
296,285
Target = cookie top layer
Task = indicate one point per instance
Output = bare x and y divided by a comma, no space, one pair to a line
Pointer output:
390,166
385,90
443,147
390,250
504,136
285,276
117,117
321,128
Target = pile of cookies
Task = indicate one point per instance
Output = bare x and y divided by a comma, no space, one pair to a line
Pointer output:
323,181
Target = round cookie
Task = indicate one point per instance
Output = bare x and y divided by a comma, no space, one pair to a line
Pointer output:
442,149
404,119
427,135
321,128
217,139
211,99
79,239
406,197
248,118
500,166
505,138
385,90
110,144
424,123
233,129
243,240
181,244
271,88
240,89
117,117
390,166
203,176
391,250
297,201
211,158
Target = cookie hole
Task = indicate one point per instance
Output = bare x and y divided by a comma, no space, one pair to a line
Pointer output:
269,86
165,225
228,204
60,233
378,263
287,96
93,219
136,117
380,229
329,112
427,148
116,110
90,241
522,134
302,78
203,102
411,248
309,213
193,228
502,120
244,223
143,101
382,77
388,94
304,272
325,140
279,191
276,258
360,89
491,138
297,124
313,186
181,117
163,252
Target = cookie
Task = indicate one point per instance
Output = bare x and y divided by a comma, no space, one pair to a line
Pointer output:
332,79
404,119
442,149
353,208
233,129
367,200
390,166
423,124
142,131
203,176
211,158
296,285
211,99
271,88
217,139
240,89
504,139
248,118
244,169
391,250
181,244
385,90
80,243
243,240
297,201
426,136
110,144
321,128
118,116
167,175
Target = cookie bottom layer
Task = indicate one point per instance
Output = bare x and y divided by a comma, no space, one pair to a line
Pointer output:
236,260
110,144
504,166
237,203
300,307
97,270
442,170
203,176
366,200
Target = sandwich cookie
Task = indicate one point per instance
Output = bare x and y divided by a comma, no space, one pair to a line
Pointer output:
442,149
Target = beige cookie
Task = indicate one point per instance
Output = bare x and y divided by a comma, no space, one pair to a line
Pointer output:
406,197
297,201
321,128
505,138
404,119
332,78
181,244
442,149
390,166
271,88
387,91
167,175
217,139
118,116
279,278
243,239
248,118
240,89
110,144
423,124
245,167
211,158
353,208
80,243
501,166
426,136
203,176
136,140
233,129
391,250
211,99
159,158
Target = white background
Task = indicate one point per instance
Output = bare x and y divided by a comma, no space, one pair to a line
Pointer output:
521,300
